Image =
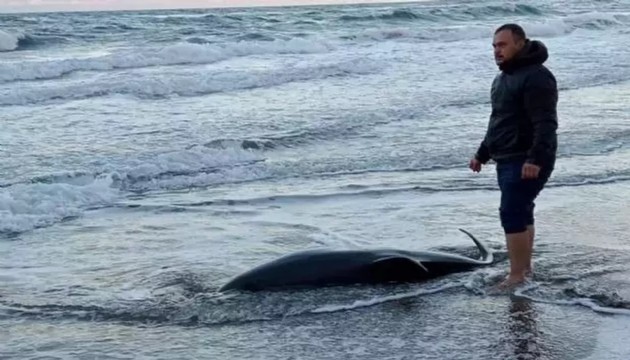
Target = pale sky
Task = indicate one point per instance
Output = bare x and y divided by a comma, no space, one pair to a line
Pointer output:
81,5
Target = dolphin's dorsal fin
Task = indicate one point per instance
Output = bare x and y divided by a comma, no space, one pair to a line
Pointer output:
396,267
486,254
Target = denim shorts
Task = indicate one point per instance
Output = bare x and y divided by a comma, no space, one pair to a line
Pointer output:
518,195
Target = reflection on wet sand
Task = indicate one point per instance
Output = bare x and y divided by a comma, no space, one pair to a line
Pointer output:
525,341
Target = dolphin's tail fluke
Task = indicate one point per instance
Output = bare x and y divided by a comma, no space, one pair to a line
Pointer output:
486,253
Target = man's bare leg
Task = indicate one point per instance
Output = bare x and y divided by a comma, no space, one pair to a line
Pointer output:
519,252
531,232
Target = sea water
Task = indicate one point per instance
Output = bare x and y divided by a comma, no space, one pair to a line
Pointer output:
150,156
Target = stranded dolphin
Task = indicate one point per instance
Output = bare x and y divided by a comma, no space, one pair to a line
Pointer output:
313,268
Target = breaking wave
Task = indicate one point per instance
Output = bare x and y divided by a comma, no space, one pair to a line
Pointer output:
9,42
543,27
185,83
177,54
453,12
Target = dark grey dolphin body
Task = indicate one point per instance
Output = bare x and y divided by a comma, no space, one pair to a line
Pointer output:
316,268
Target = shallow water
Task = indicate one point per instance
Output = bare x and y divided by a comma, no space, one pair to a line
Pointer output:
148,157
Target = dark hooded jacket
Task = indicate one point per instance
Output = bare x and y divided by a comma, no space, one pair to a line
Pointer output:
524,120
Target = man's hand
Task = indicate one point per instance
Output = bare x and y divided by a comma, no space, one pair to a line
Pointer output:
530,171
475,165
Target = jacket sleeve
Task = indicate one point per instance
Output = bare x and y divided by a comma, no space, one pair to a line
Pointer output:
483,154
540,101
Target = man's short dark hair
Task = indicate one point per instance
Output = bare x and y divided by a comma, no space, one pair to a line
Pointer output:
517,31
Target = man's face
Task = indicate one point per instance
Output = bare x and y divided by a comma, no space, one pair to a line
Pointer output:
506,46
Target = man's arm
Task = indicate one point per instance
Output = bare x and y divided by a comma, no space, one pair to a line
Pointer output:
483,154
540,101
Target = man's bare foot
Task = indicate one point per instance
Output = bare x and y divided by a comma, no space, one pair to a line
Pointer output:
529,272
511,281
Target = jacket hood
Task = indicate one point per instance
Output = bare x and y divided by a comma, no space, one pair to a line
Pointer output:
533,53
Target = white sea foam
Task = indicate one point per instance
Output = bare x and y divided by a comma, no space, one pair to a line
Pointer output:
27,206
379,300
186,83
48,200
176,54
8,42
191,168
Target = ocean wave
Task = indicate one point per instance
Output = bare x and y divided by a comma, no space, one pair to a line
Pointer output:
468,12
8,41
161,85
178,54
368,191
199,40
597,20
453,185
50,199
255,36
549,27
114,27
438,14
328,129
247,144
214,20
46,200
28,206
23,41
393,15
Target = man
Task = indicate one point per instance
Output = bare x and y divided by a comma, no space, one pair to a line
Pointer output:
521,138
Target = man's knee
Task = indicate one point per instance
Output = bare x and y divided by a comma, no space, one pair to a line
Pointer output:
514,220
516,211
529,217
517,198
